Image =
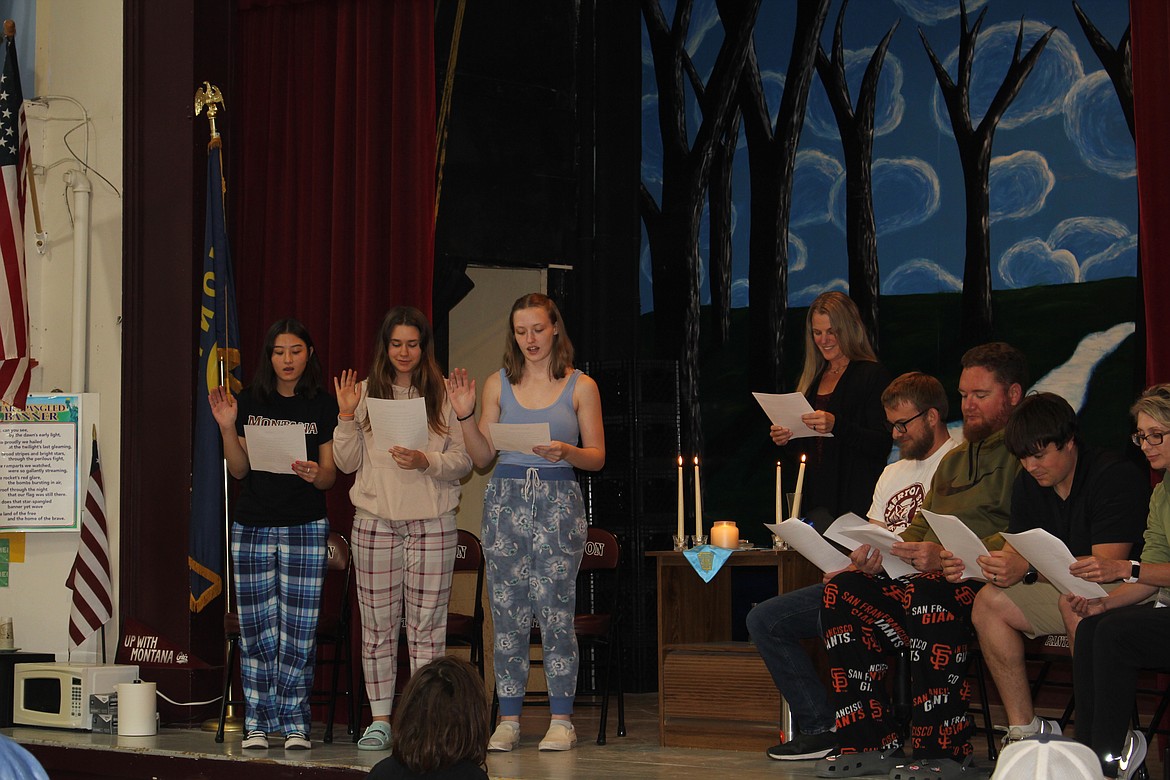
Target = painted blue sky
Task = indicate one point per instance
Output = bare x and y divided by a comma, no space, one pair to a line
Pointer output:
1063,187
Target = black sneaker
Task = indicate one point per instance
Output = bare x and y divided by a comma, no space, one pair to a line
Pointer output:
805,747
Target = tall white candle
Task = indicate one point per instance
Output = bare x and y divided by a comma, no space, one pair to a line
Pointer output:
681,530
698,501
779,496
799,488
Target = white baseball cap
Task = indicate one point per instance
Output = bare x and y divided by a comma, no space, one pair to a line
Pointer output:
1046,756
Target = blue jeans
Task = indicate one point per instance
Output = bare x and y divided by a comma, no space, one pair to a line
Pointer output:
777,626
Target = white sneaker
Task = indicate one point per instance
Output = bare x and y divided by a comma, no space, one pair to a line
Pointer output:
560,736
255,740
505,737
296,740
1132,756
1016,733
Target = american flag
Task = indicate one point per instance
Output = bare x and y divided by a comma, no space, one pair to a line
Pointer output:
15,364
89,579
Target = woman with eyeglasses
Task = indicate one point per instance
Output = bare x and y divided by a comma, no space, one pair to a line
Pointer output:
843,382
1125,632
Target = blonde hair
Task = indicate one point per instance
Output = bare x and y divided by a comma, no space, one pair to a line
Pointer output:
845,320
1155,402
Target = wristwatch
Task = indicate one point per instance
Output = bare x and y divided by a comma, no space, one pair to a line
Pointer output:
1134,571
1030,576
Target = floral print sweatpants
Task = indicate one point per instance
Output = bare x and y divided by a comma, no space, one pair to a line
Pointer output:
534,532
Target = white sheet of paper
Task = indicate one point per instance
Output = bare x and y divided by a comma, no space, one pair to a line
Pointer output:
785,409
961,541
881,539
835,532
275,447
519,437
805,540
398,423
1051,557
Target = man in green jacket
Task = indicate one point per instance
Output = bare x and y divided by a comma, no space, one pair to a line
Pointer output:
868,616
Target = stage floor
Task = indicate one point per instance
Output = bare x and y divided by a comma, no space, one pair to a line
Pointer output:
636,756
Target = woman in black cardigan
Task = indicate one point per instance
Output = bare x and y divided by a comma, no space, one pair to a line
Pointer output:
843,382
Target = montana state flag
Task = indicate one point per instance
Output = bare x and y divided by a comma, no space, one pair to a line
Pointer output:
219,363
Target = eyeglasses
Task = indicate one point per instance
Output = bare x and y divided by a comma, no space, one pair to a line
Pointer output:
900,425
1153,438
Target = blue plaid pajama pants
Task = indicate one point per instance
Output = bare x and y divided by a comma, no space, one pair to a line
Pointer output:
278,573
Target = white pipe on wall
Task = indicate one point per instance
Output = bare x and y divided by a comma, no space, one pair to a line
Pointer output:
82,193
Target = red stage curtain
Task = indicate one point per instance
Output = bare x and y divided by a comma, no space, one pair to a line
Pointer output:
1150,31
332,129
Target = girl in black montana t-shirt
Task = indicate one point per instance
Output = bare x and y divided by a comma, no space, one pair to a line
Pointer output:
279,533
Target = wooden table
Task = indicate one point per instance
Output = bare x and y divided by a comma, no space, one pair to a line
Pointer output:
714,692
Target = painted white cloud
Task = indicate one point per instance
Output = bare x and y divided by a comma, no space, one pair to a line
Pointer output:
1055,72
888,108
797,253
906,192
739,294
813,178
1033,262
806,295
1019,185
1094,122
1105,248
934,11
919,276
1077,250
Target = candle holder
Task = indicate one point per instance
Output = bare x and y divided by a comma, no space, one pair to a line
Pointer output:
794,504
778,543
698,540
680,542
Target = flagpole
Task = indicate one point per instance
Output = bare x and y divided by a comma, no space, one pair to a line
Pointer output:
209,96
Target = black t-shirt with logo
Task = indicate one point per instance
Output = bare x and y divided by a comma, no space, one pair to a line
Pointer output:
268,499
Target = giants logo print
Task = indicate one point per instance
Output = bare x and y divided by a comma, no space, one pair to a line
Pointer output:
965,595
839,679
940,656
830,596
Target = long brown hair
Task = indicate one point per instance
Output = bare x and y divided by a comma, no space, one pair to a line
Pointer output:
426,378
845,320
562,350
442,717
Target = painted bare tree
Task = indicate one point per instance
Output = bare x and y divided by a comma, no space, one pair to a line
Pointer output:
1118,62
771,161
719,215
672,227
855,126
974,144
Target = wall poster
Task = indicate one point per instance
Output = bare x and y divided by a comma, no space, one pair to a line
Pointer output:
41,464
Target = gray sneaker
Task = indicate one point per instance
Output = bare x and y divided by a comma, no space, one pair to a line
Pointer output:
805,747
1133,755
1015,733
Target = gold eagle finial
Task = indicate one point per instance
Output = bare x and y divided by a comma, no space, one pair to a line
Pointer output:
208,95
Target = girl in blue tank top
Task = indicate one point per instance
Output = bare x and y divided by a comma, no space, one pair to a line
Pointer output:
534,526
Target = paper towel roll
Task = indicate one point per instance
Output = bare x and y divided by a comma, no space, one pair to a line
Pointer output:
137,713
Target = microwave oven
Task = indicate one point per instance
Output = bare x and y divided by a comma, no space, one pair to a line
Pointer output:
57,694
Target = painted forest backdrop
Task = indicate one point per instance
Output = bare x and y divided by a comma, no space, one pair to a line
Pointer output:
963,172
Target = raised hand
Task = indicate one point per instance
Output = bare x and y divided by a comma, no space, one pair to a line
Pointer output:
223,408
461,392
347,391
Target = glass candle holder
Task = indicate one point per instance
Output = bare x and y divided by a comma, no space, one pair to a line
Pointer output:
680,542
